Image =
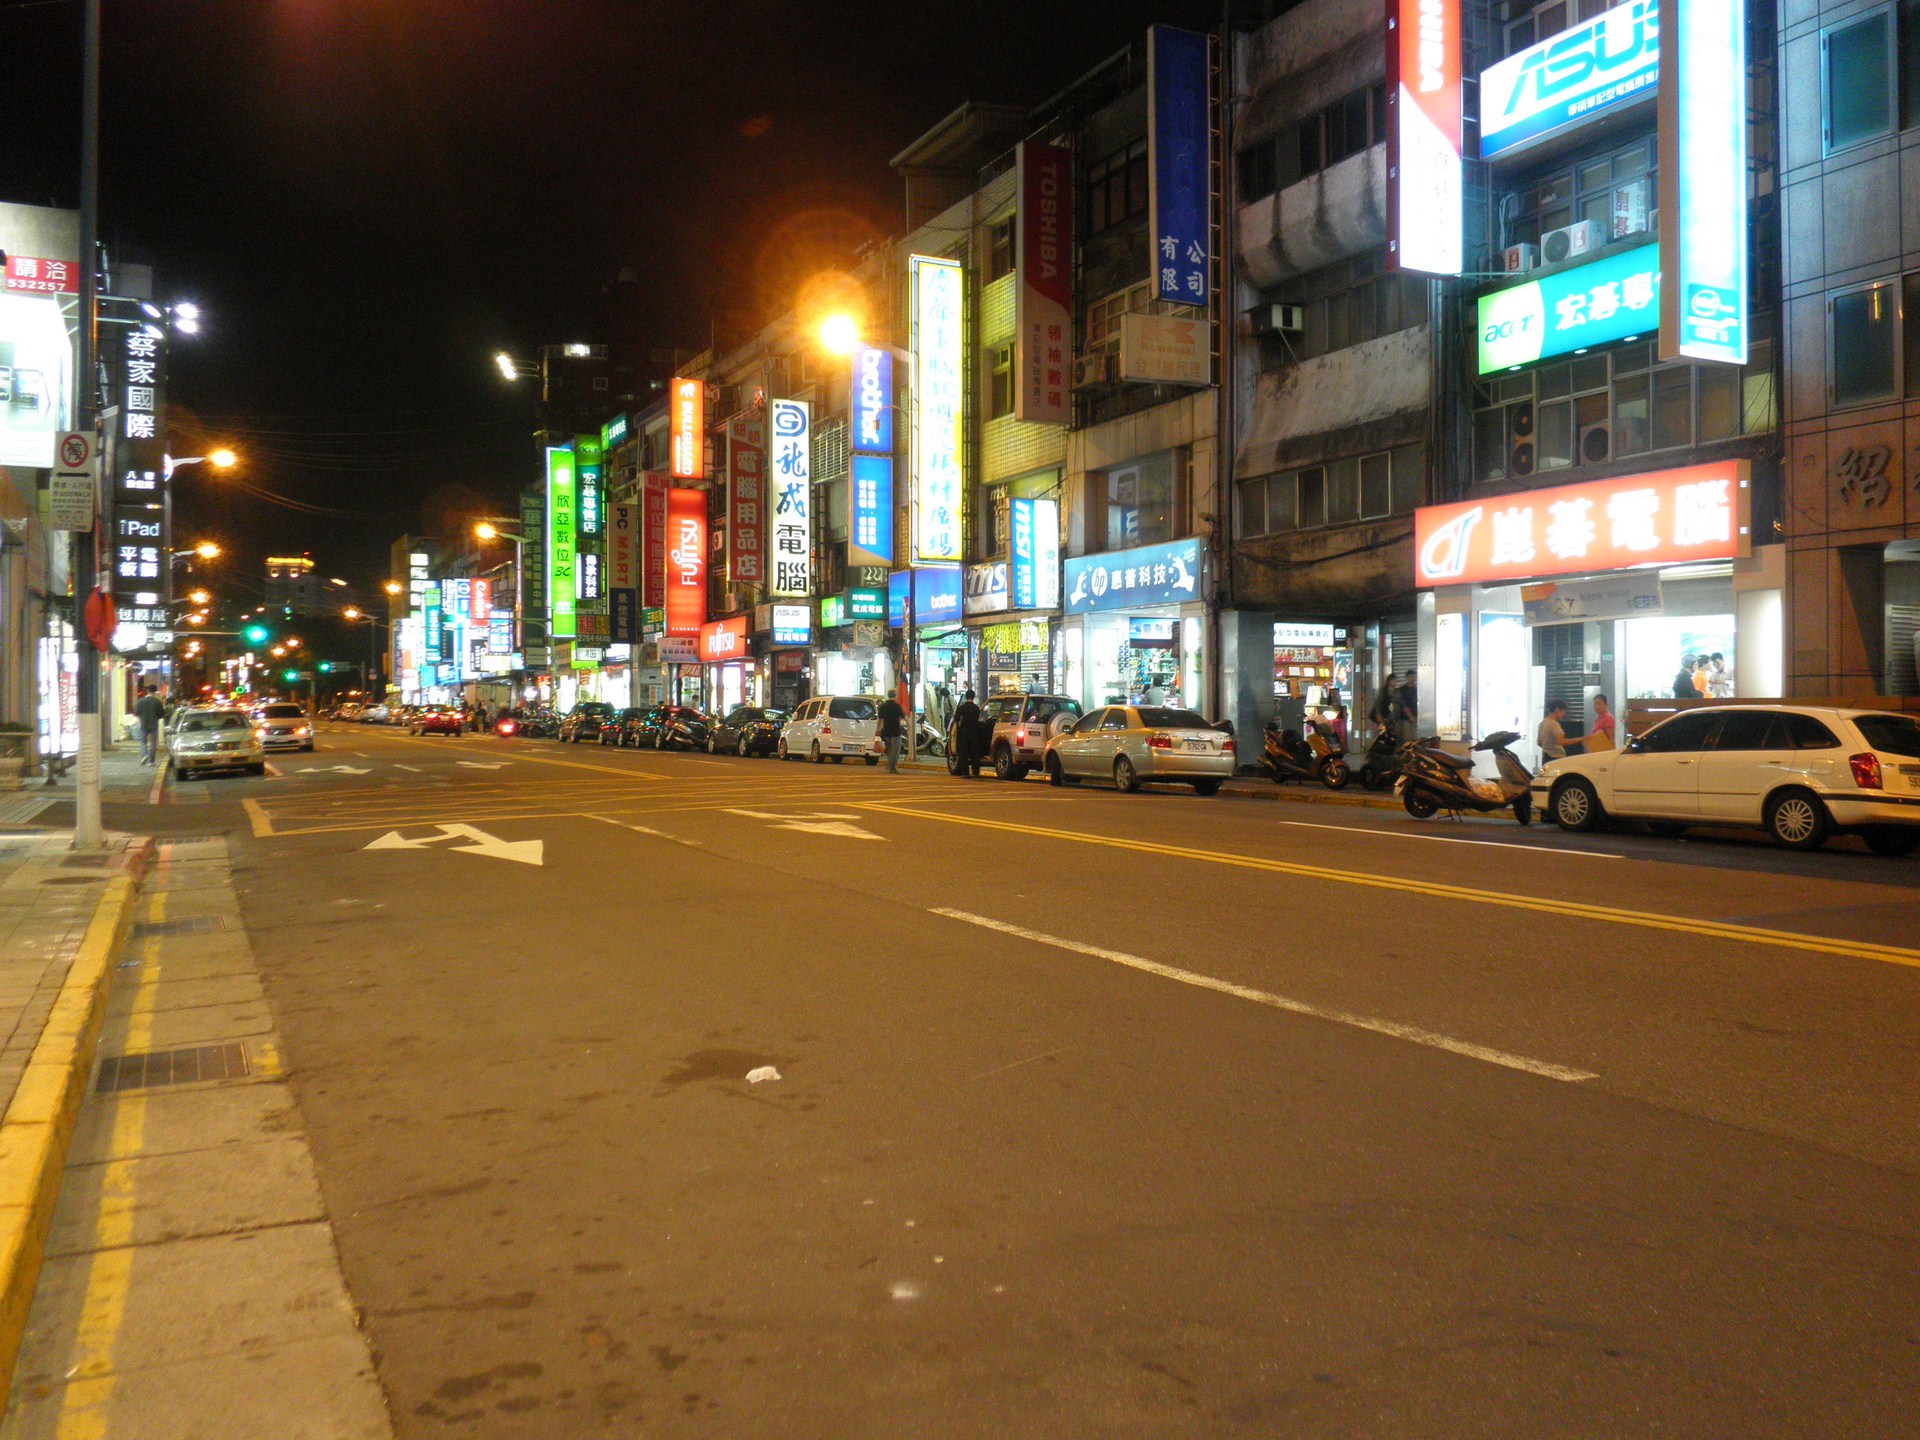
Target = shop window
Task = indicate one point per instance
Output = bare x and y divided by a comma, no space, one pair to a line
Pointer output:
999,249
1857,80
1615,189
1862,341
1672,407
1719,402
1000,393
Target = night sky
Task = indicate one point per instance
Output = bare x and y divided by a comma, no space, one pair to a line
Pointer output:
368,198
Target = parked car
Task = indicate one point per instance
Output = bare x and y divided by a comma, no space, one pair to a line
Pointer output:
1135,745
215,739
620,730
583,722
746,730
436,720
1022,725
832,727
283,726
376,714
1801,773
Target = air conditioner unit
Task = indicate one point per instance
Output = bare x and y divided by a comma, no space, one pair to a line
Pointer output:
1596,443
1518,259
1630,208
1570,242
1092,369
1521,452
1277,319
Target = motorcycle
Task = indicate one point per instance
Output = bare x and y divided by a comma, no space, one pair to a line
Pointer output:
1432,780
1381,765
927,737
1287,756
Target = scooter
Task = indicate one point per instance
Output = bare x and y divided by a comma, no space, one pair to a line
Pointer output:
1381,765
1286,756
1432,780
927,738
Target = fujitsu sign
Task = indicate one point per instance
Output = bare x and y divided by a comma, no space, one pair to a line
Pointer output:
1426,228
686,561
1591,70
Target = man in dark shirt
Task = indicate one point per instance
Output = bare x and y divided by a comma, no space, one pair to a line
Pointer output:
148,709
965,717
890,733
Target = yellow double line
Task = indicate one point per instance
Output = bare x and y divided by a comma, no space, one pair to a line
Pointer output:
1689,925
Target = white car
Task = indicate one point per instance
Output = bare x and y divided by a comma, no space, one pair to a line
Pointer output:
832,727
215,739
1799,772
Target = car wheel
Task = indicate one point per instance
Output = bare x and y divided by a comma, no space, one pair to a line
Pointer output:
1574,805
780,748
873,759
1894,840
818,758
953,764
1003,766
746,748
1056,774
1420,805
1797,820
259,769
1206,787
713,744
1125,777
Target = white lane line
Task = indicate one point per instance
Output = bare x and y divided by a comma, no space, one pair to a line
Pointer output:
1448,840
641,829
414,768
1411,1033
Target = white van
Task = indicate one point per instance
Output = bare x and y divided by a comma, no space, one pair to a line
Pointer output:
832,727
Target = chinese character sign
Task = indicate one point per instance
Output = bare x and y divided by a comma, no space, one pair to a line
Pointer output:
871,539
139,540
499,632
1043,291
746,500
1703,180
790,494
623,540
653,546
589,494
687,430
533,566
1609,299
562,583
1147,575
1426,181
939,365
1179,164
686,561
1668,518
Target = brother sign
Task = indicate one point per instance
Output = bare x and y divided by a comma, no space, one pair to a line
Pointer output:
1611,61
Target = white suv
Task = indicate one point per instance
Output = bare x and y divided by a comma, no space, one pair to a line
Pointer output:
1799,772
832,727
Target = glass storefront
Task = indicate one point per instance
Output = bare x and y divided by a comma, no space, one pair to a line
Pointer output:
1149,656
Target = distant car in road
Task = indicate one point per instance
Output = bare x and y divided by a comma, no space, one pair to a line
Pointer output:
436,720
1135,745
746,730
207,740
583,722
621,729
283,726
1801,773
832,727
377,714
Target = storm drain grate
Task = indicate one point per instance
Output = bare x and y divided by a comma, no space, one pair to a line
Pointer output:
196,926
172,1067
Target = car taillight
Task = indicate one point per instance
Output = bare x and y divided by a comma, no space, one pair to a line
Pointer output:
505,727
1866,770
1159,742
1020,736
1227,745
826,727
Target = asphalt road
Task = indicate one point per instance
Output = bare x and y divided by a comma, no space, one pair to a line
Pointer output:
1098,1115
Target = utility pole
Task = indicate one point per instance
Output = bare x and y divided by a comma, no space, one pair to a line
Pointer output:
87,832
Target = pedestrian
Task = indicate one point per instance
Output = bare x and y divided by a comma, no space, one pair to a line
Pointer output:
966,715
1683,686
1156,694
1552,736
891,716
1386,708
149,710
1719,678
1410,701
1600,735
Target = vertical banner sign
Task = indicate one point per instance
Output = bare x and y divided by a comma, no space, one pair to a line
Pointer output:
939,363
870,541
790,488
1046,554
686,562
623,596
872,401
1703,180
1179,164
1020,555
560,543
480,601
1043,287
589,490
653,540
746,500
687,430
1426,219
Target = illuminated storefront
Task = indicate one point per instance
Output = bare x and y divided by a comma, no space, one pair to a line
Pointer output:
1135,626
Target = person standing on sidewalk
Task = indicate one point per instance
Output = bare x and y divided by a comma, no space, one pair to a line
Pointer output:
149,710
891,716
965,716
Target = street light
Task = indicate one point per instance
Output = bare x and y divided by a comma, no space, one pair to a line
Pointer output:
221,459
200,597
393,587
839,334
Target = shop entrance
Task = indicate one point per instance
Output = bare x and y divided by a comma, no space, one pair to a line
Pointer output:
1129,656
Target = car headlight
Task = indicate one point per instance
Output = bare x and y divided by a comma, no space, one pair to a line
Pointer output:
304,730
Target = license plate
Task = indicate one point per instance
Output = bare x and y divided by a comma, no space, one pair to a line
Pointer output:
1911,774
1199,745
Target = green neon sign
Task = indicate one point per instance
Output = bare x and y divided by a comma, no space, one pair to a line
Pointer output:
864,604
561,583
1571,310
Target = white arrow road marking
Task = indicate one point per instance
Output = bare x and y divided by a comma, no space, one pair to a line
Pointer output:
324,769
483,764
813,823
410,769
525,852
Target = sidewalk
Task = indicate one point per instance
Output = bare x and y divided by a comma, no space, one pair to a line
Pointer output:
127,788
1248,787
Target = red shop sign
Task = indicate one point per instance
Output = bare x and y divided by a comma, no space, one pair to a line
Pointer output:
686,561
724,639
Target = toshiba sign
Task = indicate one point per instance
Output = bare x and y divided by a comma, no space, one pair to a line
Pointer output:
1671,517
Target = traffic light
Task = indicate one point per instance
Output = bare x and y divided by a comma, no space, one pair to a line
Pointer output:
256,634
290,676
326,667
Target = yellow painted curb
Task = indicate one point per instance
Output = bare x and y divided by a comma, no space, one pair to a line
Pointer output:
39,1121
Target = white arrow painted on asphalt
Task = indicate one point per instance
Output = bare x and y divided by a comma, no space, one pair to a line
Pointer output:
524,852
814,823
339,769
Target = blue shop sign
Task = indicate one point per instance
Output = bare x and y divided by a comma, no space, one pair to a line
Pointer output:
936,595
1149,575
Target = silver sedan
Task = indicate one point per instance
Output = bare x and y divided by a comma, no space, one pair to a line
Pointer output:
1135,745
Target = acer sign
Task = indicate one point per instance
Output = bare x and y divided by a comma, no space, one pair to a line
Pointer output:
1426,224
687,430
1595,69
686,561
1671,517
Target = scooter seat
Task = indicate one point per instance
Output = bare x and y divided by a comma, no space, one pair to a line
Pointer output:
1447,757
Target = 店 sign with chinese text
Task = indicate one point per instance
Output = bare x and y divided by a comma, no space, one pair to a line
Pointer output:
790,489
1671,517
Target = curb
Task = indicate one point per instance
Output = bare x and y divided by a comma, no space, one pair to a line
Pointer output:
39,1121
1314,797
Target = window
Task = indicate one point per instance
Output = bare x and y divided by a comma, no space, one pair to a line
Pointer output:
1615,189
1752,730
850,707
999,249
1808,733
1857,80
1862,329
1142,504
1114,720
1117,188
1354,122
1890,734
1089,721
1337,493
1000,395
1353,302
1679,735
1258,172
